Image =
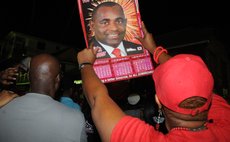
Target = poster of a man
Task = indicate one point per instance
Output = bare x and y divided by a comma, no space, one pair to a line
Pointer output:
111,26
108,23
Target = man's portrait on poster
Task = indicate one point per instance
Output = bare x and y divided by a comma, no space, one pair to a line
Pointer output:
109,32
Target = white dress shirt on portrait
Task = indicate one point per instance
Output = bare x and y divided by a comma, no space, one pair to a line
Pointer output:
109,49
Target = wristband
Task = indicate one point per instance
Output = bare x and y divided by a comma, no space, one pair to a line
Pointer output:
82,65
157,52
158,55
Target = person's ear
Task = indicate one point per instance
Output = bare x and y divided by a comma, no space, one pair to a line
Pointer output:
91,26
58,78
158,102
57,81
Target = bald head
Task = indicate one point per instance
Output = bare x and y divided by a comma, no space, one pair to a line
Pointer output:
44,74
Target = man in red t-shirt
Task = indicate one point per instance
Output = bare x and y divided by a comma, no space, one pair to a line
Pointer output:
184,95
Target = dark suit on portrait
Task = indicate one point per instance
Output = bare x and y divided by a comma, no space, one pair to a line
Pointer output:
130,48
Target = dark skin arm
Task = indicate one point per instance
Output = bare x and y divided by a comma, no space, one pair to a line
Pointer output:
8,75
149,43
6,97
105,112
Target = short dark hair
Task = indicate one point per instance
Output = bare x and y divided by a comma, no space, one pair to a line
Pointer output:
105,4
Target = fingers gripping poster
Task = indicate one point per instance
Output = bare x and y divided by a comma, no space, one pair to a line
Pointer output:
111,26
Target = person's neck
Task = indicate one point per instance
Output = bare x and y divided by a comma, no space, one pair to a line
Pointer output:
188,125
48,93
113,46
174,120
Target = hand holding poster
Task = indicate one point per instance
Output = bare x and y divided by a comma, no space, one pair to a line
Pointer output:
111,26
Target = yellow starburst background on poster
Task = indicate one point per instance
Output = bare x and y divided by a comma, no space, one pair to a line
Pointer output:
130,10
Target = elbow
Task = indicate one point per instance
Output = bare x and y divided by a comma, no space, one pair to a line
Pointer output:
94,95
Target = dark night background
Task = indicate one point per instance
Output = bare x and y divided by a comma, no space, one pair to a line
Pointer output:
58,20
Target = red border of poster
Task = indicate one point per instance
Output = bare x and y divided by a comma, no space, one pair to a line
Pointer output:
116,69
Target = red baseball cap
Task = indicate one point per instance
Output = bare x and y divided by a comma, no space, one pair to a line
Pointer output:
181,77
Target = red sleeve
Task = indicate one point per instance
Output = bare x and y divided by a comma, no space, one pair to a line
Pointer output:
219,108
131,129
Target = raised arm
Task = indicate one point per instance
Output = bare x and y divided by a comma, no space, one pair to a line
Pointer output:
149,43
8,75
105,112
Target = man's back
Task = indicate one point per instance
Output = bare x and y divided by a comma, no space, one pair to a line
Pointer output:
39,118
